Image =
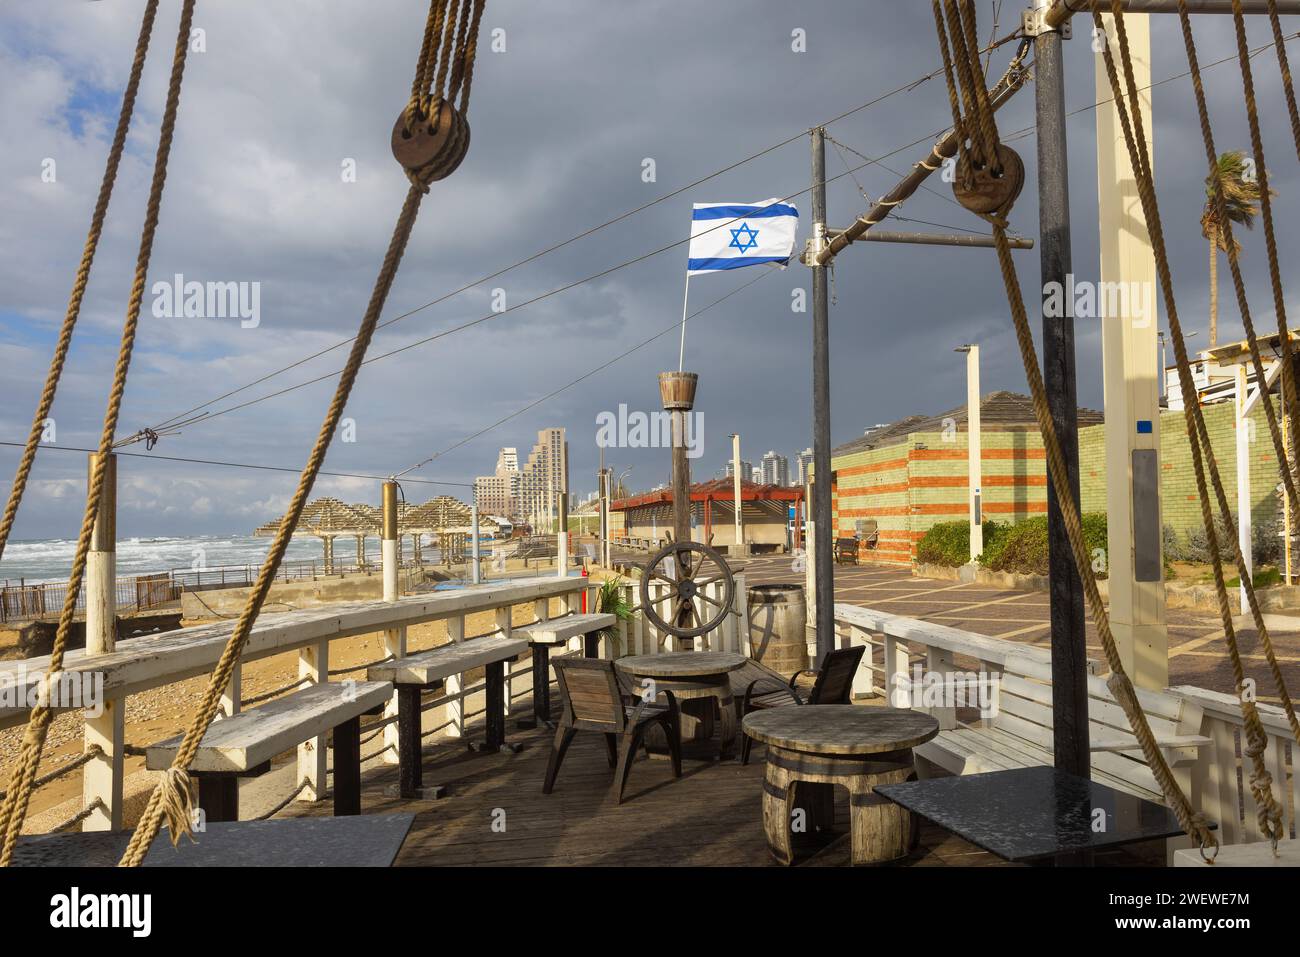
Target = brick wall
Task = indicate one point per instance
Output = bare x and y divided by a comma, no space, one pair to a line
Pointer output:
911,486
1180,505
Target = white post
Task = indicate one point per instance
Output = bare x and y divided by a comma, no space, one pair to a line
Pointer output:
394,638
737,503
474,549
455,710
1130,384
974,500
503,622
102,777
313,755
1243,480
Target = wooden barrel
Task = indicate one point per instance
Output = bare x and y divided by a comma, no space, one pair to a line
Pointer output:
777,623
677,390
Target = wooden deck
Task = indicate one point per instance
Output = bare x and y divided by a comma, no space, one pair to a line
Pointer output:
495,814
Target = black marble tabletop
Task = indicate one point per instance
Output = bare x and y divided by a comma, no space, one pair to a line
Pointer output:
367,840
1030,813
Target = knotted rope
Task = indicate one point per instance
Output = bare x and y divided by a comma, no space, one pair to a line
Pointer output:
14,809
172,796
70,317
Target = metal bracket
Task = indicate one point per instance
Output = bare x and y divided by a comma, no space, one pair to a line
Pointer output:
1034,23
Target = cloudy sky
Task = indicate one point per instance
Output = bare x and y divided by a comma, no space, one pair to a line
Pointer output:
577,95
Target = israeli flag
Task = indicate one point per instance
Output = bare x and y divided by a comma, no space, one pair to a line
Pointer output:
731,235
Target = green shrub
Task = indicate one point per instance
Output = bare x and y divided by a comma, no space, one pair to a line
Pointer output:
948,543
1022,547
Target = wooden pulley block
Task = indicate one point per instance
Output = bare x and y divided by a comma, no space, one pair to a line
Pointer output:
990,189
435,145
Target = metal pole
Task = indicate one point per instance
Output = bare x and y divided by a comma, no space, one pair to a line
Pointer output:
1069,653
977,241
1057,13
825,537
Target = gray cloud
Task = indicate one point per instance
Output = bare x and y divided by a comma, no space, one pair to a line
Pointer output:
561,123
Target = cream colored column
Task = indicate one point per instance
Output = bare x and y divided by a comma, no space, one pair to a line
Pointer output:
102,778
1129,357
1244,432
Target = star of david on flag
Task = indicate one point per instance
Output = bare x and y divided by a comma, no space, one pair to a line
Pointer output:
732,235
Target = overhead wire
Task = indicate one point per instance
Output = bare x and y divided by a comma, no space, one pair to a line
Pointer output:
902,88
586,375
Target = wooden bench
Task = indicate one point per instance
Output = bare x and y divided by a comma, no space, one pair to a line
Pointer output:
430,669
1018,733
243,745
542,636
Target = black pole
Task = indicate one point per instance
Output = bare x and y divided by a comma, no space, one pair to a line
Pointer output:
1069,653
822,561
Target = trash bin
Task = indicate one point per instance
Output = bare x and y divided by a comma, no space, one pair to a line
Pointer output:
777,627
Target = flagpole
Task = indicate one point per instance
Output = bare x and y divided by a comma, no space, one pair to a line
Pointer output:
686,297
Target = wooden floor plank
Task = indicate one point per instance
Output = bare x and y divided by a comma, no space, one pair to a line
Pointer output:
494,813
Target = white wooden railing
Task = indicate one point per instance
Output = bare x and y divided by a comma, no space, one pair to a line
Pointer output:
1220,787
1215,783
154,661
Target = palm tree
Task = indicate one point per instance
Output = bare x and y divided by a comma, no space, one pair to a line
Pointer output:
1240,206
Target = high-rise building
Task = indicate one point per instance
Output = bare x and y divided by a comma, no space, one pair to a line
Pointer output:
804,467
756,475
498,493
746,469
776,469
542,479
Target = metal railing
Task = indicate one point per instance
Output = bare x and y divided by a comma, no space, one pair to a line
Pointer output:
43,601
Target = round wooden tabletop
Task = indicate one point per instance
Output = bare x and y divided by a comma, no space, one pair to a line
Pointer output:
840,728
681,664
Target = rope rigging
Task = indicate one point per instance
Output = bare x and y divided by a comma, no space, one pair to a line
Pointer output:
172,798
14,809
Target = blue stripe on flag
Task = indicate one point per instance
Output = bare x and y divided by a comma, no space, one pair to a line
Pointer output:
745,212
733,263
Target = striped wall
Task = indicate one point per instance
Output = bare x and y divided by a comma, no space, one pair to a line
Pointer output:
911,486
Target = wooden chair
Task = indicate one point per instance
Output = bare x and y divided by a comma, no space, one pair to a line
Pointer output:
833,684
591,699
846,551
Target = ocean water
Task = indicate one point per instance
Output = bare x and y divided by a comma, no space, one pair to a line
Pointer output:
51,559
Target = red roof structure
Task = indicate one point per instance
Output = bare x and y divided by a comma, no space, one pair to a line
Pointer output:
714,490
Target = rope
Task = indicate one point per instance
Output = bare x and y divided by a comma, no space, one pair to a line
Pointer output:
1279,42
14,810
86,757
77,818
168,797
1198,437
1121,687
1288,382
82,277
285,803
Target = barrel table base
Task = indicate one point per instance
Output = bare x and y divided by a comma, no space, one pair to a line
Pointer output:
697,697
880,830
